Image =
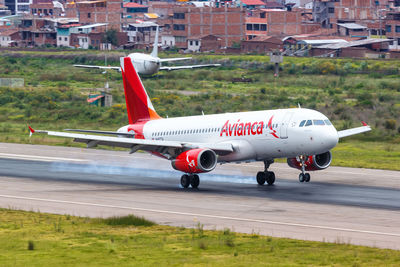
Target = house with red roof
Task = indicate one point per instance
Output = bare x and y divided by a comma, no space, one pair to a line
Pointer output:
251,4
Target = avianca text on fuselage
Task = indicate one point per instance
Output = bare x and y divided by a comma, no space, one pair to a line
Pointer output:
246,128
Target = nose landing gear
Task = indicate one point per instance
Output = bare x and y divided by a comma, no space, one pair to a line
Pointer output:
190,179
266,176
303,176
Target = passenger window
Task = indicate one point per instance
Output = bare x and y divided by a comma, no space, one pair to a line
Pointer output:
318,122
309,122
327,122
302,123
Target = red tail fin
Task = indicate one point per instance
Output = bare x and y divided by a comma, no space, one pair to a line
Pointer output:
138,103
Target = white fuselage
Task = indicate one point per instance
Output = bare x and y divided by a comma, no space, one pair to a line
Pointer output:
256,135
145,64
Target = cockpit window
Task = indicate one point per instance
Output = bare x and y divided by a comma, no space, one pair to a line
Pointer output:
302,123
327,122
308,123
319,122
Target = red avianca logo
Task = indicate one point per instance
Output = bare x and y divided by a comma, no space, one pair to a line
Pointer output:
246,128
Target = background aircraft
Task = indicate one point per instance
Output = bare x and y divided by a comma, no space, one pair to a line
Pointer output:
196,144
151,64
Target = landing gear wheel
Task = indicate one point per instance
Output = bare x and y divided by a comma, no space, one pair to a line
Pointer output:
261,178
194,181
302,177
307,177
270,178
185,181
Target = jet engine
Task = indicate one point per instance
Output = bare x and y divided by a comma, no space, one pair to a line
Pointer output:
195,161
312,163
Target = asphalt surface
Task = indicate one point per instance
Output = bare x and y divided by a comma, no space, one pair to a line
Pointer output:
343,205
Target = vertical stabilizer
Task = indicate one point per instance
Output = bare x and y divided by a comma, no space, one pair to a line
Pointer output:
154,53
138,104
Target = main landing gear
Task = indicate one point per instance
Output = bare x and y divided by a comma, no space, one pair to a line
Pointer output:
266,176
303,176
190,179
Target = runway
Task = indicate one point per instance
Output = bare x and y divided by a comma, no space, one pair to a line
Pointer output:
344,205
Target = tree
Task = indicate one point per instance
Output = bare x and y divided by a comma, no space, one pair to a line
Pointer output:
110,36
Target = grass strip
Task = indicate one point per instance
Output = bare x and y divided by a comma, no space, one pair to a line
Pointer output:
41,239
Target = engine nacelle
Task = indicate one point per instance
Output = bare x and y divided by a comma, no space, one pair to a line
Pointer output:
313,163
195,161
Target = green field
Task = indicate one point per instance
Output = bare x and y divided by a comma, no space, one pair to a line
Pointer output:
40,239
347,91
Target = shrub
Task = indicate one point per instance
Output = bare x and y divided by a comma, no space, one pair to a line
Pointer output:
31,245
129,220
390,124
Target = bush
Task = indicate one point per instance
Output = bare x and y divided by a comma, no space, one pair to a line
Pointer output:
31,245
130,220
390,124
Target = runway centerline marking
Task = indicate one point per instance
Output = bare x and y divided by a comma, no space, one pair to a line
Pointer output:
204,215
40,158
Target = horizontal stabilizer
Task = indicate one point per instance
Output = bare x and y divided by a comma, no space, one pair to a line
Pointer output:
174,59
98,67
189,67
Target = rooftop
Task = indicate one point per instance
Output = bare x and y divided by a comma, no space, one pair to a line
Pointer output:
134,5
253,2
355,43
352,26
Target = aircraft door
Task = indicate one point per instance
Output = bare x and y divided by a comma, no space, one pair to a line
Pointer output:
285,123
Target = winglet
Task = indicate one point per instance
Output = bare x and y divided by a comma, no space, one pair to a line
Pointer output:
31,130
364,123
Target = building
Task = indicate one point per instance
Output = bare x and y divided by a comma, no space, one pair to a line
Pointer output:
250,4
392,28
37,32
47,8
223,22
323,11
64,34
352,30
270,22
9,37
368,48
101,11
262,44
205,43
87,35
141,33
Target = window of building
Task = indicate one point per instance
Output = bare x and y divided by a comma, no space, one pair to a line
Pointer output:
331,10
256,27
249,27
66,39
89,15
179,27
60,38
388,28
179,15
397,28
191,42
180,39
197,43
264,27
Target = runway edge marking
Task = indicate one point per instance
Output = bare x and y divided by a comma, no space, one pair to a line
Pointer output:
204,215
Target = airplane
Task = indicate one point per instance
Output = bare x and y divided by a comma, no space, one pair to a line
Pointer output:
195,144
150,64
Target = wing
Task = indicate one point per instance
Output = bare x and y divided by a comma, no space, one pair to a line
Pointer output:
173,59
189,67
98,67
166,148
353,131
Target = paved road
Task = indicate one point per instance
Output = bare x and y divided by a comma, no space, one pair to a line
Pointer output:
358,206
